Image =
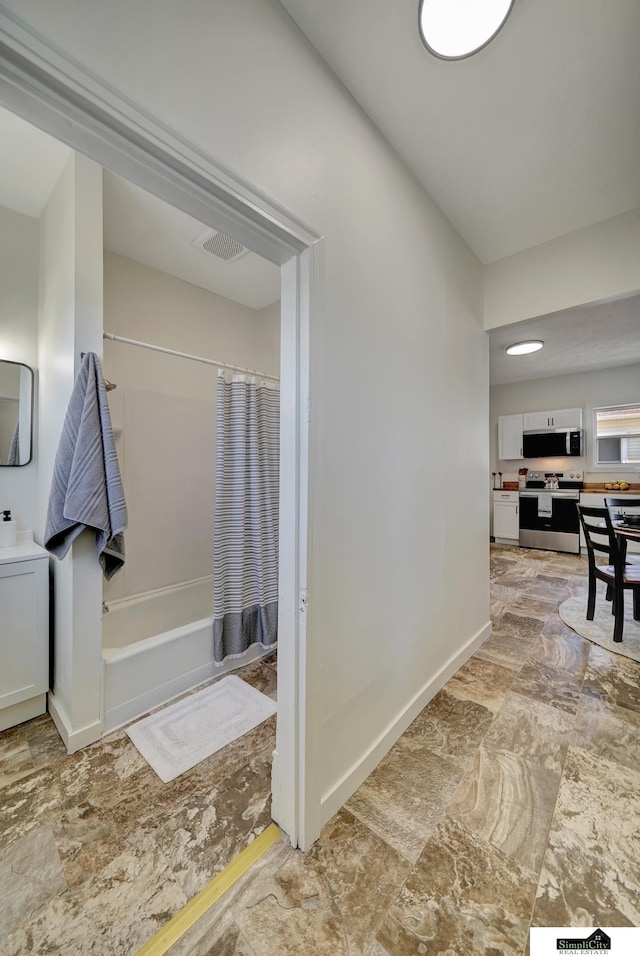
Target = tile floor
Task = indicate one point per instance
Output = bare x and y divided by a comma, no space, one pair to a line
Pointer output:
96,853
512,800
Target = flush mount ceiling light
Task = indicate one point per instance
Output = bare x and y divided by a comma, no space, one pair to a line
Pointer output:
455,29
523,348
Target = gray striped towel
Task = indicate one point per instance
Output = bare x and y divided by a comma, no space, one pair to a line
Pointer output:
86,491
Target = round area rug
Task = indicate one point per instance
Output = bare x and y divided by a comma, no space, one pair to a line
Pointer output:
600,630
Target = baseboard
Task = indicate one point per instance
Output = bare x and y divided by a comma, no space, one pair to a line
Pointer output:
25,710
338,795
72,739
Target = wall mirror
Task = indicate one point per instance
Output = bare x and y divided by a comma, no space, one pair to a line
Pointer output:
16,405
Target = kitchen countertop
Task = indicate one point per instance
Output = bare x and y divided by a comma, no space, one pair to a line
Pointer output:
599,489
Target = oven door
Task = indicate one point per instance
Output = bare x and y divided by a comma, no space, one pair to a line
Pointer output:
549,521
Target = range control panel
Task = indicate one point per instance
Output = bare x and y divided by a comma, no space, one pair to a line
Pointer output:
563,476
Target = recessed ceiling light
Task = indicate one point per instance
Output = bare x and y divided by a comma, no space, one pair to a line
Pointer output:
454,29
522,348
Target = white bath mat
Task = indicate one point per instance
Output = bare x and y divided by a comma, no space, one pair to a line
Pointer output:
177,738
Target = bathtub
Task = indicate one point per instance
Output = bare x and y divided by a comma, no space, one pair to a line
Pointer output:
158,645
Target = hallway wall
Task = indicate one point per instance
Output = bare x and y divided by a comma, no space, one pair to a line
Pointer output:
399,359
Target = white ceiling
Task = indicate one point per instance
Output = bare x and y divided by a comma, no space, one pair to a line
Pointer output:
533,137
144,228
580,340
136,224
30,163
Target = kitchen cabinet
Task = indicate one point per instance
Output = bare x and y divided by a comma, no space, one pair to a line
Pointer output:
558,418
536,421
24,634
567,418
509,437
506,517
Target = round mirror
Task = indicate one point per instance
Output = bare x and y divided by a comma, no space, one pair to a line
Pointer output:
454,29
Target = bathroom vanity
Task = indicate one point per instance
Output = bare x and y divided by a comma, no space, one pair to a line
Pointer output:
24,632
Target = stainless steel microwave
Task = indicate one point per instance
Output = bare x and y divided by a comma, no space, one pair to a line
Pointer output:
563,443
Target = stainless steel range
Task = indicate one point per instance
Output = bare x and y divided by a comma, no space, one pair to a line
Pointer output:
549,514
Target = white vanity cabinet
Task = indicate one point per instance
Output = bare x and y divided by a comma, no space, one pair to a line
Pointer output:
506,517
24,633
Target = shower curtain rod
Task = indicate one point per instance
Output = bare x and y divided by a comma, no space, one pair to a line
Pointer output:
186,355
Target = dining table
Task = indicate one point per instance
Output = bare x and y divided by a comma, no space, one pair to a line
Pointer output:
625,533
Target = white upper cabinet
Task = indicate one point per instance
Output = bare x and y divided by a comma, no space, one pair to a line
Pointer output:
536,421
567,418
509,437
558,418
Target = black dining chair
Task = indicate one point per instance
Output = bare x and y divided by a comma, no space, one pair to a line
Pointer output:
618,576
627,502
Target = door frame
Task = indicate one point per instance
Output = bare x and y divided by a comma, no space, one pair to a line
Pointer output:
38,83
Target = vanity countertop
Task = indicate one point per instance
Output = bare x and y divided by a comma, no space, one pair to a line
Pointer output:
22,551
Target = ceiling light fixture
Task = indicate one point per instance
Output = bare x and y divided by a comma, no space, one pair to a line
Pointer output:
523,348
455,29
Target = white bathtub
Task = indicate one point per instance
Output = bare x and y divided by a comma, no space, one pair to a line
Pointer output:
158,645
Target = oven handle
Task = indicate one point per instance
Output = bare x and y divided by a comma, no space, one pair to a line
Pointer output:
545,491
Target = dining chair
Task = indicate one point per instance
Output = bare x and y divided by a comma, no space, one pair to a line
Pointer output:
627,502
597,525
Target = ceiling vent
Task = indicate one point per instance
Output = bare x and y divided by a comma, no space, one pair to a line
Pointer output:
221,246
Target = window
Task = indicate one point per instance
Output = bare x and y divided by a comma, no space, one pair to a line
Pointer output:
617,435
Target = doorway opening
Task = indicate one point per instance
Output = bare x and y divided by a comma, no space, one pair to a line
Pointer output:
69,108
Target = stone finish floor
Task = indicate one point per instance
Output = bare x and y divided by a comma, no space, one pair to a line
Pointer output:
512,800
97,853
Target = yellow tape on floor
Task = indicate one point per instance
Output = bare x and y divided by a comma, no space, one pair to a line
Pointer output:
212,892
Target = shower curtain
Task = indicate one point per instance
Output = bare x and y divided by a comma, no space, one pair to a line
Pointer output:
246,515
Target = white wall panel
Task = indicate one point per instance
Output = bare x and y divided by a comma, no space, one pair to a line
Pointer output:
597,263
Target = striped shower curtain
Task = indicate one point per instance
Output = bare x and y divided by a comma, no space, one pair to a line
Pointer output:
245,550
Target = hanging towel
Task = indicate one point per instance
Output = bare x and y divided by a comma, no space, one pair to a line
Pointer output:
545,506
86,491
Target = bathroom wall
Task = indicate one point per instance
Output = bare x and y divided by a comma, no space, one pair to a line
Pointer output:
164,412
19,341
69,323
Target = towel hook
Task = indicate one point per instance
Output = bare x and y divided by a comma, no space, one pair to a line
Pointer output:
109,386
